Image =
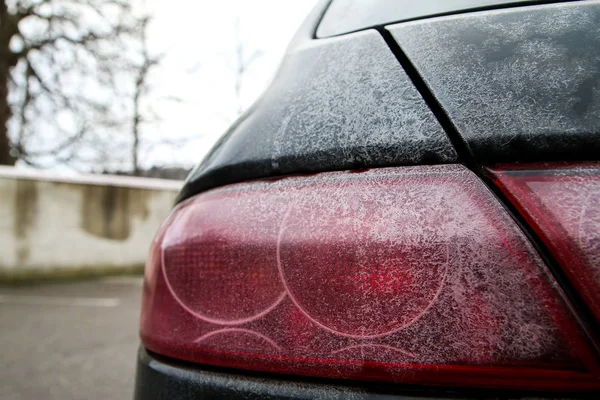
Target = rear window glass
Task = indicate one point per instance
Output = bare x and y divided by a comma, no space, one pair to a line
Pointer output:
345,16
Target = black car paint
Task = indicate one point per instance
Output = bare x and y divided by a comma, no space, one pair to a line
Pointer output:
518,85
341,103
468,62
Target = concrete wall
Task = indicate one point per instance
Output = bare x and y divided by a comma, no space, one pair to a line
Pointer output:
56,226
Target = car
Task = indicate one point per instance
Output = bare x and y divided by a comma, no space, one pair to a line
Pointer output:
412,209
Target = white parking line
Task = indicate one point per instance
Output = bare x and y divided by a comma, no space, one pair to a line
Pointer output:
59,301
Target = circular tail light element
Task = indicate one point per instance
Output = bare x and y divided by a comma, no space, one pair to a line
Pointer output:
414,275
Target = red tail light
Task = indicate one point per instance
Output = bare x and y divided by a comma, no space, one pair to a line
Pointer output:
413,275
562,203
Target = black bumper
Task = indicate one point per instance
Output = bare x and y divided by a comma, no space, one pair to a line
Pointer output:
162,378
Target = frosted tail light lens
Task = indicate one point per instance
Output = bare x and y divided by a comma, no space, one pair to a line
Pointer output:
562,203
414,275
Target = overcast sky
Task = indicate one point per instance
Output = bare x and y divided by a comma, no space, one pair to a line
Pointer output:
199,40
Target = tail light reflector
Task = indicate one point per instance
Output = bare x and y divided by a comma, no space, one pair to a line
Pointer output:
562,203
413,275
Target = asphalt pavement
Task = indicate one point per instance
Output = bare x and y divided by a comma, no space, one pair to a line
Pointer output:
75,340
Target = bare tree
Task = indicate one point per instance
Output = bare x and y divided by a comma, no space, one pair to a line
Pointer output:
243,61
145,65
143,99
59,60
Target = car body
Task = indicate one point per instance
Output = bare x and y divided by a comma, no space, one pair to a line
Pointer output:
420,137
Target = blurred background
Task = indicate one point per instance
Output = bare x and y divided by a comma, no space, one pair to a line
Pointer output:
105,106
131,85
